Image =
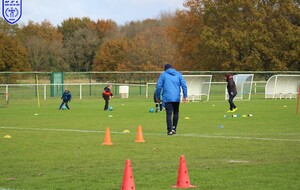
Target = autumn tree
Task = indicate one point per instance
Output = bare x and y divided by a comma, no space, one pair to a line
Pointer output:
8,29
13,55
138,46
82,37
111,55
251,35
151,48
186,35
45,48
104,28
81,49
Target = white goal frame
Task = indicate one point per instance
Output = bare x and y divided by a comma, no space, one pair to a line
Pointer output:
197,87
243,87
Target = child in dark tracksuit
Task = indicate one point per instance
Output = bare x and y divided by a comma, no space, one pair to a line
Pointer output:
107,94
66,98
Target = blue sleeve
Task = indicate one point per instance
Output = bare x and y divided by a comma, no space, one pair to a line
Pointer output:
62,96
184,87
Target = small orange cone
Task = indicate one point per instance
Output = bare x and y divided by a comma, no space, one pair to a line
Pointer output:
183,180
139,135
107,139
128,180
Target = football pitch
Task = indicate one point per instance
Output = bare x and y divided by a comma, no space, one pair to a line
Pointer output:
61,149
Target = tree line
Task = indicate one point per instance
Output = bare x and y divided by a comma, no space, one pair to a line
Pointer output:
256,35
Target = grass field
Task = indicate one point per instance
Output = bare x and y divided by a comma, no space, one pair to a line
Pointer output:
63,149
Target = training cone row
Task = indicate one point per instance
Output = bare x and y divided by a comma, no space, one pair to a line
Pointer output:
107,138
183,181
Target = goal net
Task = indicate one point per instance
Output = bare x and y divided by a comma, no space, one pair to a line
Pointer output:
198,86
243,84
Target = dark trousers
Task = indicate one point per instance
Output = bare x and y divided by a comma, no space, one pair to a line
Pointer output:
160,106
106,103
230,100
64,102
172,114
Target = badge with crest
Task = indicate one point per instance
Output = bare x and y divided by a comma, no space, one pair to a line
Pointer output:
12,10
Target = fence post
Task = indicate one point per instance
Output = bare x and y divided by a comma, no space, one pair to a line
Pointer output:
80,91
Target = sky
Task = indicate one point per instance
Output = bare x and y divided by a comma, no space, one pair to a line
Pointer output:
121,11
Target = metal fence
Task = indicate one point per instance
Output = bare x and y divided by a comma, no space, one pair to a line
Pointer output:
94,90
20,85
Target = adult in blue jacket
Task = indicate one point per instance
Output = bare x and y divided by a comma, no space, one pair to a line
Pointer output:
171,82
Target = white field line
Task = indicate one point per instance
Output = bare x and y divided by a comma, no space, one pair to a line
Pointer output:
155,134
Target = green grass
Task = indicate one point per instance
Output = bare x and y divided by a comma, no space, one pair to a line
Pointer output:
63,149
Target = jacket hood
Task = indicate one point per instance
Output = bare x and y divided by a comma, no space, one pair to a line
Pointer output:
171,71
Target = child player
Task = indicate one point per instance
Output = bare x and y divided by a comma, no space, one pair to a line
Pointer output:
158,103
66,98
107,95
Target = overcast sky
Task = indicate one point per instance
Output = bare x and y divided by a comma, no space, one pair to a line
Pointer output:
121,11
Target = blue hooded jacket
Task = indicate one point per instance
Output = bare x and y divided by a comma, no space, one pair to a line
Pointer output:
67,96
171,82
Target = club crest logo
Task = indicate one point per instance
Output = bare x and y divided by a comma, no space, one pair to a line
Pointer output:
12,10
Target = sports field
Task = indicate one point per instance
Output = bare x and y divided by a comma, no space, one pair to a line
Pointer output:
52,149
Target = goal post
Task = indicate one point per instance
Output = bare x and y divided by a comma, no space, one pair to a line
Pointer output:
150,89
4,97
197,87
243,84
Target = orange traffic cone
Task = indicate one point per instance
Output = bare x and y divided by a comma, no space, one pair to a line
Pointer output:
107,139
128,181
183,180
139,135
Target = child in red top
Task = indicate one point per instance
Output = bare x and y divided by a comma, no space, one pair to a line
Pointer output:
107,95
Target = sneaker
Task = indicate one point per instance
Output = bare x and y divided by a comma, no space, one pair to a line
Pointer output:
170,133
230,111
173,132
235,109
